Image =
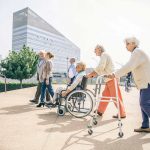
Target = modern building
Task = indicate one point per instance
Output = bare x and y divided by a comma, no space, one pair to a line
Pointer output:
31,30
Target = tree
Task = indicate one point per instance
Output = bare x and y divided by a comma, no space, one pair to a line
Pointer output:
20,65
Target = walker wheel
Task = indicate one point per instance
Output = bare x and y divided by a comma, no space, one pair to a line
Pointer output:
95,122
90,132
120,124
120,134
89,126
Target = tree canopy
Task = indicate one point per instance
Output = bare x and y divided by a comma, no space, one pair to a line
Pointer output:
20,64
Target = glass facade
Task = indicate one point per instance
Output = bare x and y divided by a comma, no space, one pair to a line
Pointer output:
31,30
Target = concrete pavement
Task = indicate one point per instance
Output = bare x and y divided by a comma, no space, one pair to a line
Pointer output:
25,127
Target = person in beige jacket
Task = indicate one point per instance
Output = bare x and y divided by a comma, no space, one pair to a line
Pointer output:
139,65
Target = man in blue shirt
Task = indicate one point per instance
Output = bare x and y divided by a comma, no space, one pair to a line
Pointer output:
72,70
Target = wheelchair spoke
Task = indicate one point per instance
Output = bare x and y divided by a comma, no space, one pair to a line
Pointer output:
79,103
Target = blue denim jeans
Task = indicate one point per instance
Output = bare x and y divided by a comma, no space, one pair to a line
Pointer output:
145,106
43,90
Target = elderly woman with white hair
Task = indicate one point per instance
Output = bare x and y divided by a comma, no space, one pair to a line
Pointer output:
80,69
139,65
105,67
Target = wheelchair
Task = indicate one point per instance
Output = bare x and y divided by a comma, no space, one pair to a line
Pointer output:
78,102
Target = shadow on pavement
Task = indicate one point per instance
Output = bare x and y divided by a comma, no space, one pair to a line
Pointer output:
17,109
134,142
67,123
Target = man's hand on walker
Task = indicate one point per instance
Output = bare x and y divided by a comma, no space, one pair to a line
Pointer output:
88,76
91,75
111,76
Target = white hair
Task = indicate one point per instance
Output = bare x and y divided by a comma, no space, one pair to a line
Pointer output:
42,51
82,64
132,40
100,47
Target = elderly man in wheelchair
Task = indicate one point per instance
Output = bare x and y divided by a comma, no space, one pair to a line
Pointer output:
74,98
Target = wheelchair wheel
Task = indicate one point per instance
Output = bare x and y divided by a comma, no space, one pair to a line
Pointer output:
79,103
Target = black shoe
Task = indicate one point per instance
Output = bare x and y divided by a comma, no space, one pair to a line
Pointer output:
99,113
50,104
116,116
33,101
40,104
57,103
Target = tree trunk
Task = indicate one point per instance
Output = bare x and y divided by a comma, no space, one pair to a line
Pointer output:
21,84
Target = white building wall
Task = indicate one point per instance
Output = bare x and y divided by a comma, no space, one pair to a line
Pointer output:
38,39
31,30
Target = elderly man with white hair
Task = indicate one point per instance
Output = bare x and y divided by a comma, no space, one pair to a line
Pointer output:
105,67
72,70
139,65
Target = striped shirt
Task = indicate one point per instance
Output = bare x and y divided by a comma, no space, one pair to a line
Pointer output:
77,80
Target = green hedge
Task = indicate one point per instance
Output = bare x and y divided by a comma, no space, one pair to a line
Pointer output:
14,86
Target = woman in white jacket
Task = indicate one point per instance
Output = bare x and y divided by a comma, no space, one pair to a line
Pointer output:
139,65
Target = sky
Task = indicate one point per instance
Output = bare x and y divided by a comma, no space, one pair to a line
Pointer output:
86,23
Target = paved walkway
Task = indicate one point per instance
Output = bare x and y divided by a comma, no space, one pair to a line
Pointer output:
25,127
